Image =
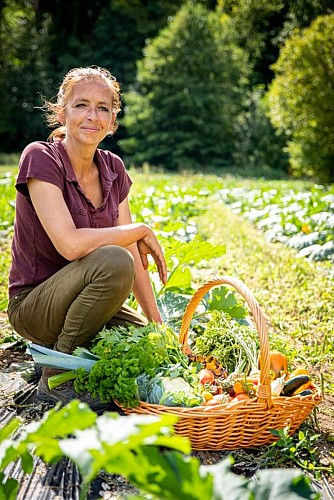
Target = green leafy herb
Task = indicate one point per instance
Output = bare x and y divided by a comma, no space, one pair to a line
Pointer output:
233,344
124,354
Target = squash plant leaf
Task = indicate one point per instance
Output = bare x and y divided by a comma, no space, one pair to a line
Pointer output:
172,307
179,280
27,462
192,252
114,443
227,485
57,423
277,484
171,475
222,299
9,429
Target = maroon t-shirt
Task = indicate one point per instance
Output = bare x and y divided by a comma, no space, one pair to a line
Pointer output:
34,258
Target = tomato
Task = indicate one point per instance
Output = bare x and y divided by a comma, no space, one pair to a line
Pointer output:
206,376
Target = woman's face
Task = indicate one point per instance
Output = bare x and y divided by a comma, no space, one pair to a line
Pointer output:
89,115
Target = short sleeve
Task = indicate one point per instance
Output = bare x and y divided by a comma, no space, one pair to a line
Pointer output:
40,160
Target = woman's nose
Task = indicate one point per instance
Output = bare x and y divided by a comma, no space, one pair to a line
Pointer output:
91,113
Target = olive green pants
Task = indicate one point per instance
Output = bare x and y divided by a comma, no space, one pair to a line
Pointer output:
70,307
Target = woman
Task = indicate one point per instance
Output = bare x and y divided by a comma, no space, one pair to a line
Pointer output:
76,255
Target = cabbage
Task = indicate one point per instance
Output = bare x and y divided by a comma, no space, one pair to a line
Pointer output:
175,391
142,387
156,392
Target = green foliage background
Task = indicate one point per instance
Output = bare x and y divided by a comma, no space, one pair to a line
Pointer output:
301,98
195,77
187,100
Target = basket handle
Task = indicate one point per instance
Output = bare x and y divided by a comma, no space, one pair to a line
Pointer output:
264,389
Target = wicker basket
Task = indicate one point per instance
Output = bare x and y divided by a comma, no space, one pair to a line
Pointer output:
249,423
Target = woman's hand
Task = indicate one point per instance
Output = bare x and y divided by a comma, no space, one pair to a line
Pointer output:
149,245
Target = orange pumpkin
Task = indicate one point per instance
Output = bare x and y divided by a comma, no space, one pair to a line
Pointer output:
278,363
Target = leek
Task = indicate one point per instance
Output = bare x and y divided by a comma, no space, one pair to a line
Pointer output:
61,378
45,357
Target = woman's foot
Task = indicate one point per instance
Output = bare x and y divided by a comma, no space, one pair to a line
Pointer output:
65,393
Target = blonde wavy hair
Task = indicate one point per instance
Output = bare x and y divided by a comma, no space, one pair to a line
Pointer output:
52,110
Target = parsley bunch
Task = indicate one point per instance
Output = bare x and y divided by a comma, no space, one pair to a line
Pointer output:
125,353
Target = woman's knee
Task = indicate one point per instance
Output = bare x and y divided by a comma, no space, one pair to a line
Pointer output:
112,261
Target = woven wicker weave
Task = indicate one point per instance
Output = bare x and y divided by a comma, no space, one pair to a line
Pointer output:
249,422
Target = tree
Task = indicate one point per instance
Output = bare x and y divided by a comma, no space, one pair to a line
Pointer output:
301,98
41,40
23,75
189,90
258,146
117,41
262,26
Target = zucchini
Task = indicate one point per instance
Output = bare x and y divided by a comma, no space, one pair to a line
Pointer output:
294,383
306,392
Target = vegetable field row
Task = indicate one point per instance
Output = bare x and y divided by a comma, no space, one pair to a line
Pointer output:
301,219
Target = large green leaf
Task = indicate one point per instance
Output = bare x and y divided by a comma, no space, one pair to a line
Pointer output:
271,484
282,484
169,475
179,280
193,252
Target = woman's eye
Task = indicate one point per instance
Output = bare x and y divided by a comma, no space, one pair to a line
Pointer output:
103,108
80,105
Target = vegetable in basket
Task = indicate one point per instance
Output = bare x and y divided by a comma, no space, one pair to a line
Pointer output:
119,356
235,345
206,376
174,385
168,391
292,385
278,363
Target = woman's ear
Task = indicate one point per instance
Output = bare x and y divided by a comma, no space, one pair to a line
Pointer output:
61,117
112,123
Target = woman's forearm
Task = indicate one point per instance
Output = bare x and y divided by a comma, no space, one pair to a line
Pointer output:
81,242
143,290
